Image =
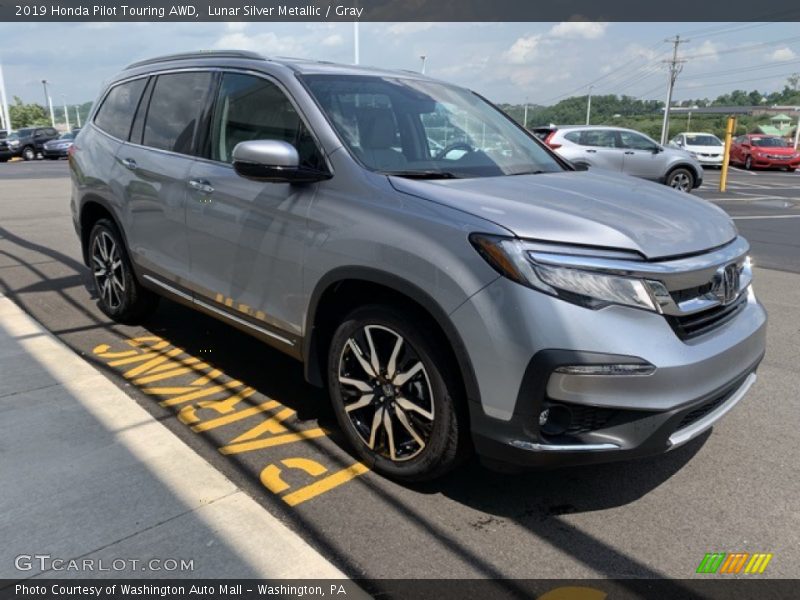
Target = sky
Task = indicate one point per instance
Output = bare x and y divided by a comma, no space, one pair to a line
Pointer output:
507,62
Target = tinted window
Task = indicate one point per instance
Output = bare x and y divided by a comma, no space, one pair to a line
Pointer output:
702,140
772,142
573,136
599,137
175,108
116,113
635,141
252,108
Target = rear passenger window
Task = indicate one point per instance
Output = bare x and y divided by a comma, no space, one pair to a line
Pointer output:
251,108
116,112
573,136
175,108
599,137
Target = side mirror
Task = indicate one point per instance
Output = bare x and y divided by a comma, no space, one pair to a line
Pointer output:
657,149
273,161
580,166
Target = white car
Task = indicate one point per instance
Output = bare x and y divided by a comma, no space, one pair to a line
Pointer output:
705,147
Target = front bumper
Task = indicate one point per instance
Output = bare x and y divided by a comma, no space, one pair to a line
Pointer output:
517,337
772,163
55,152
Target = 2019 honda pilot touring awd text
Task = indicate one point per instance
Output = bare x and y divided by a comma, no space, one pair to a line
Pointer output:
454,283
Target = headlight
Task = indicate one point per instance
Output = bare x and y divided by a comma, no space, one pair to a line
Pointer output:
13,142
591,289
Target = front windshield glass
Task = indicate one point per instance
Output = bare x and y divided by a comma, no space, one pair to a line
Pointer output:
67,136
702,140
772,142
420,128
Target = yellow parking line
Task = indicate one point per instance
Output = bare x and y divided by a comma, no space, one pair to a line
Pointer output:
324,485
288,438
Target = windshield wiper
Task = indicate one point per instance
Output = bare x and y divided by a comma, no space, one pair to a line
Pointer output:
537,172
422,174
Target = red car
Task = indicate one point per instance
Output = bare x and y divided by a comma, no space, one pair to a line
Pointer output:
764,152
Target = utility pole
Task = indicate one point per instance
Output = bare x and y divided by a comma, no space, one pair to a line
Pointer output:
78,115
675,67
589,104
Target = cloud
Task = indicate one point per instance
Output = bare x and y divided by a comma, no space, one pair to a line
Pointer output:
407,28
266,43
523,50
784,53
707,51
333,40
589,30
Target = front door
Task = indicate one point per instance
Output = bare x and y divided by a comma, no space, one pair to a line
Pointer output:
247,238
643,157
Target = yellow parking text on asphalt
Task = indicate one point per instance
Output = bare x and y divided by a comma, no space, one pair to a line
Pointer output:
205,399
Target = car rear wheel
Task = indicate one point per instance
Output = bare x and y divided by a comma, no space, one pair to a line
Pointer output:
120,296
394,395
28,153
681,179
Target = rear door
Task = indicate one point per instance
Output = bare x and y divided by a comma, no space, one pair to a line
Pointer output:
642,156
155,164
247,238
601,148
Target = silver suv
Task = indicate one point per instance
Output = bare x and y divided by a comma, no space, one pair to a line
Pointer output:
452,282
625,150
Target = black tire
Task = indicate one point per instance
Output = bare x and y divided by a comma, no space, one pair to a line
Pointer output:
120,296
28,153
748,163
2,160
791,169
681,179
434,390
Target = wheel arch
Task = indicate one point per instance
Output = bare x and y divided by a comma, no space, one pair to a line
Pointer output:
94,208
346,288
682,165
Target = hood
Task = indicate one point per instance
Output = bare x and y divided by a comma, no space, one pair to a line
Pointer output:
705,149
776,150
585,207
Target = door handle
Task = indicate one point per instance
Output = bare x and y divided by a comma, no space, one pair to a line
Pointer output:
629,152
592,151
129,163
201,185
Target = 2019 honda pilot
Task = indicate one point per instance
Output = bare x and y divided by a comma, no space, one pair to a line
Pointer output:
454,283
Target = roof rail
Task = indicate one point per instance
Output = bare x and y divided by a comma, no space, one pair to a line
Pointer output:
199,54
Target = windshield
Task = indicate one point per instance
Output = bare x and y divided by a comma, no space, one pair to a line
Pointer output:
67,136
703,140
769,141
14,135
419,128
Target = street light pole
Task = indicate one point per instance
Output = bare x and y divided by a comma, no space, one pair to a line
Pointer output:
525,118
4,102
66,114
423,58
589,104
78,115
48,101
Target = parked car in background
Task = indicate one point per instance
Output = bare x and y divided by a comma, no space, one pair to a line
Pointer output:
627,151
479,287
707,148
755,151
27,142
59,147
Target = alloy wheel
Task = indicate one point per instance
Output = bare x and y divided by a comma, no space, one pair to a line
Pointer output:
681,181
108,270
386,392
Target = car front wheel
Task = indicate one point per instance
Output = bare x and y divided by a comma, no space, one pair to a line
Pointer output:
681,179
394,394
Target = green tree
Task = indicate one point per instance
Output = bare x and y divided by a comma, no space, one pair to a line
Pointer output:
27,115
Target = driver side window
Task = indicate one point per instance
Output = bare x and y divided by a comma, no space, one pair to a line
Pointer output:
634,141
251,108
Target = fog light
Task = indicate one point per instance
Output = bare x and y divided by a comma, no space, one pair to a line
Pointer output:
554,420
543,416
621,369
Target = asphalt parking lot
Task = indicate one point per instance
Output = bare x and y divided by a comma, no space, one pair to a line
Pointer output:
733,489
